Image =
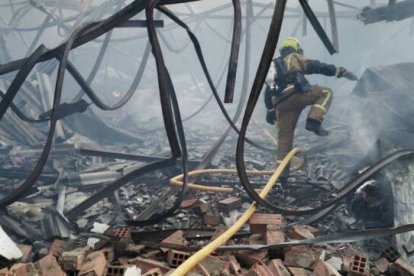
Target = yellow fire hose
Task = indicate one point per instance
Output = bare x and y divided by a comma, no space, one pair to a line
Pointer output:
178,180
197,257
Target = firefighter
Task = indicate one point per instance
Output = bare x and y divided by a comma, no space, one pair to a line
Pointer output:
288,92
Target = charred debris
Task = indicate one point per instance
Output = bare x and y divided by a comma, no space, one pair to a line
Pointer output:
88,192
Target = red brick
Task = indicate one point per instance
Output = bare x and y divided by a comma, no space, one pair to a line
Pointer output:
249,257
229,204
94,264
277,268
259,269
301,256
359,266
48,266
391,254
72,260
188,203
122,232
115,270
175,257
4,271
26,250
382,264
299,232
153,272
258,222
403,267
323,268
298,271
175,238
274,237
212,219
148,264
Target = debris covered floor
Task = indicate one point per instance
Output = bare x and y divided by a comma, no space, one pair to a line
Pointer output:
102,244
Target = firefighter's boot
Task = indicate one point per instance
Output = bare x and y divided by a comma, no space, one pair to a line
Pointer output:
315,126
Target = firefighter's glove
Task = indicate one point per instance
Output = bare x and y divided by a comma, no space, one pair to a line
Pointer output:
343,73
271,116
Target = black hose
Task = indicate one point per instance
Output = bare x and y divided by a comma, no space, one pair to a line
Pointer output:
317,26
234,53
171,114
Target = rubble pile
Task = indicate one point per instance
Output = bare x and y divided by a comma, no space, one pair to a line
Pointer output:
124,251
101,243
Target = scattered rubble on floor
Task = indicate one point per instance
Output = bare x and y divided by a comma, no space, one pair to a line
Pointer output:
100,243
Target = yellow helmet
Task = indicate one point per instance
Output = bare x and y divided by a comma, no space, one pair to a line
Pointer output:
292,43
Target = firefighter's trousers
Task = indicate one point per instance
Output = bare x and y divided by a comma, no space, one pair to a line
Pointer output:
289,110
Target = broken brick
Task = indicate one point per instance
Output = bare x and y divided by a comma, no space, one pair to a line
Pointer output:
148,264
403,267
259,269
382,264
94,264
323,268
175,257
258,222
391,254
115,270
122,232
359,266
299,232
187,203
301,256
298,271
175,238
48,266
277,268
229,204
72,260
213,219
